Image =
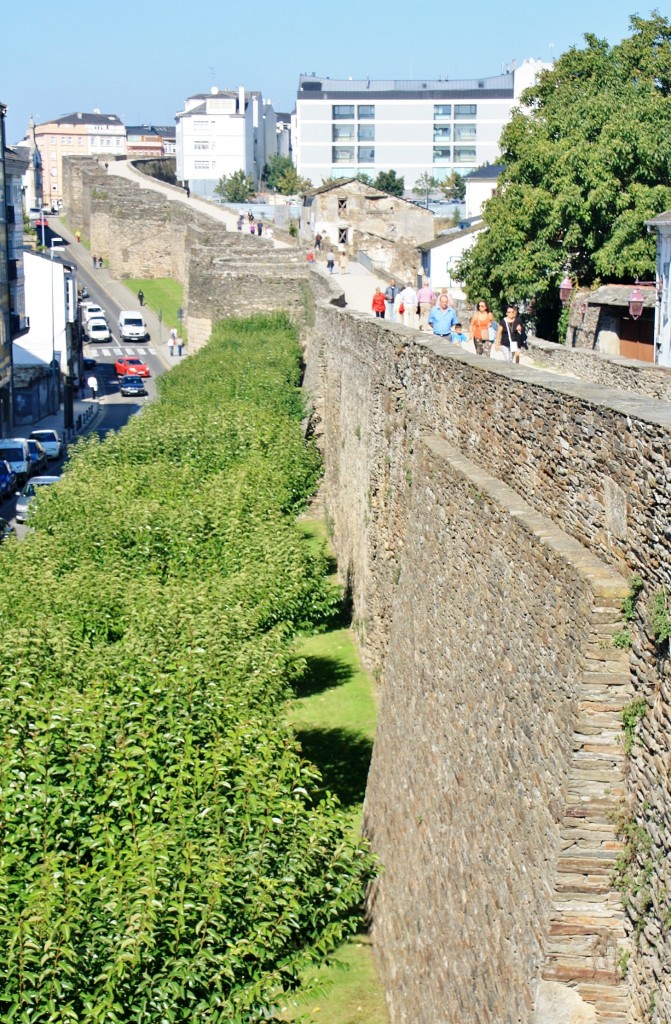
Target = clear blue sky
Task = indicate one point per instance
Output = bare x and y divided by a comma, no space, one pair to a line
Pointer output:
140,59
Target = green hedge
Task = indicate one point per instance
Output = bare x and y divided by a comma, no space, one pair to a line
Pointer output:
162,858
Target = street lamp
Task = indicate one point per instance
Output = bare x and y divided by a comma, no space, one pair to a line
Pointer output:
565,289
54,247
636,300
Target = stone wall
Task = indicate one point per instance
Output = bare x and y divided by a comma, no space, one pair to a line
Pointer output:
613,371
487,580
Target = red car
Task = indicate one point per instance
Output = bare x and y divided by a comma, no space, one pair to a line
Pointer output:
131,366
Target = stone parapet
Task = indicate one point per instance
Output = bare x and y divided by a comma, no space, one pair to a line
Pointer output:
611,371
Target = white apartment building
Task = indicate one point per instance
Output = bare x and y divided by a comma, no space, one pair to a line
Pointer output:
345,127
221,132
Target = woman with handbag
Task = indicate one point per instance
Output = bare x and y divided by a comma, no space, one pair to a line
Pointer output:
479,329
510,336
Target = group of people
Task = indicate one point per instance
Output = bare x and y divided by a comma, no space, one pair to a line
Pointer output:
343,258
97,262
422,309
256,227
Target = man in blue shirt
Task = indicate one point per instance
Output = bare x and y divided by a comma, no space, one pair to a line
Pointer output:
442,318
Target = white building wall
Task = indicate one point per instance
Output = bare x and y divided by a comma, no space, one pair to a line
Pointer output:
663,312
442,260
46,289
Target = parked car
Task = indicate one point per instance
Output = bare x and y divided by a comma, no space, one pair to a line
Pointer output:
131,366
15,450
38,457
28,493
130,385
88,362
6,529
131,325
50,441
97,330
8,482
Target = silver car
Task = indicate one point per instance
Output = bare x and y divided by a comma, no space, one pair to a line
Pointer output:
26,496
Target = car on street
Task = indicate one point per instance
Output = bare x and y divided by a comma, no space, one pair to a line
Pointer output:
15,450
97,330
131,325
38,457
6,529
50,441
8,482
28,493
131,385
131,366
41,222
88,362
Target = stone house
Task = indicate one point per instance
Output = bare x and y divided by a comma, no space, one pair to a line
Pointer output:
601,320
364,220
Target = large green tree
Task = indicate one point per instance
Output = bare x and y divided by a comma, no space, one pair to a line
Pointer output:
588,161
388,181
235,188
275,168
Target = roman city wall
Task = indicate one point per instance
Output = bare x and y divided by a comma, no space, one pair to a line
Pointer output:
489,521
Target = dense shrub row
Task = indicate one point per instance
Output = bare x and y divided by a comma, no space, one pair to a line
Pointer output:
162,858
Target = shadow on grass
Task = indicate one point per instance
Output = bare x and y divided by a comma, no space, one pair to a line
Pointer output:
343,757
322,674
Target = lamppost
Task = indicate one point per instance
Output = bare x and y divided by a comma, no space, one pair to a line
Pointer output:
54,247
565,289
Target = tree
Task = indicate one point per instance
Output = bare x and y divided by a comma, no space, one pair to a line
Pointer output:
587,162
453,187
388,181
424,185
275,168
235,188
290,182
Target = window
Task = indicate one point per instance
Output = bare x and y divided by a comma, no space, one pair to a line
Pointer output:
442,111
342,112
201,125
201,165
464,132
366,133
463,111
201,144
80,142
366,111
442,133
342,154
342,236
442,155
342,206
366,155
343,131
464,154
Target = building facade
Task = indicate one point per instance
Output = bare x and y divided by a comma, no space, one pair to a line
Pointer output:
98,135
147,140
661,225
221,132
344,127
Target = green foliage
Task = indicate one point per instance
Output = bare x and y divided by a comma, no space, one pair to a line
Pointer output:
622,639
660,621
290,182
629,603
623,958
166,852
275,168
162,293
453,187
631,716
388,181
581,176
425,185
235,188
634,868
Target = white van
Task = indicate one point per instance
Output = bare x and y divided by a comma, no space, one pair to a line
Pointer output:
97,329
131,325
15,450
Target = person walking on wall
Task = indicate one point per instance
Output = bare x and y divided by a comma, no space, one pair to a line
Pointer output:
442,317
510,335
342,262
379,304
140,297
318,242
408,299
330,261
479,329
390,293
426,300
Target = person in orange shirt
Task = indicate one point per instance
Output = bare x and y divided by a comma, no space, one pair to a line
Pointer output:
481,322
379,304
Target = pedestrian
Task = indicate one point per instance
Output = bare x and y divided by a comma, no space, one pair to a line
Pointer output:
379,304
318,242
188,191
426,300
479,329
390,293
310,256
240,222
95,262
140,297
252,228
78,235
409,299
442,317
342,262
180,345
330,261
458,337
510,335
250,216
172,340
259,228
93,386
100,263
269,232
